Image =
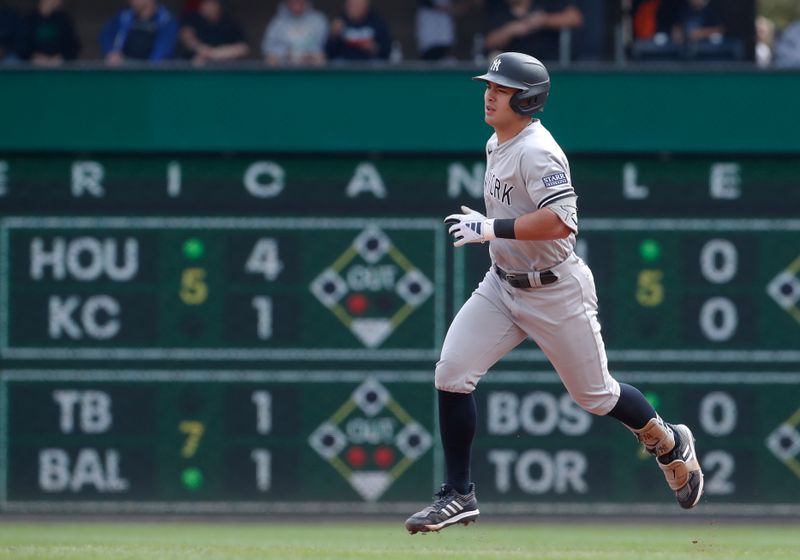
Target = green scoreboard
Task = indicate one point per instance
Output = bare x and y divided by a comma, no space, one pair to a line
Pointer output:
243,334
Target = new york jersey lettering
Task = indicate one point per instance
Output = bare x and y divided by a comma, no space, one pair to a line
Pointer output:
499,191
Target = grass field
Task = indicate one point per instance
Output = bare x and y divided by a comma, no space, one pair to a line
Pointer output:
383,541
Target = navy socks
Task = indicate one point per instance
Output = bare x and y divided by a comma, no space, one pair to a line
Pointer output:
458,419
632,409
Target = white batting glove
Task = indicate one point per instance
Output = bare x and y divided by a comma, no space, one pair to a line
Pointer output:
470,227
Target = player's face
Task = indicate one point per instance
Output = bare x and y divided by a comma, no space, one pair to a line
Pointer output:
496,106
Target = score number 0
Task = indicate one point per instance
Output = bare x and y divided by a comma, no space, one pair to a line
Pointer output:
719,263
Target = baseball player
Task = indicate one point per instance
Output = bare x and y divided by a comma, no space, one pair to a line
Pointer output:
536,287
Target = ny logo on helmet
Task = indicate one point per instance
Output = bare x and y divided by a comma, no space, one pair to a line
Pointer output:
495,65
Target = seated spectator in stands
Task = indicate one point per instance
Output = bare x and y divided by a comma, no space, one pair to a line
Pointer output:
787,47
765,41
435,29
211,34
697,22
533,27
296,35
644,18
359,34
146,31
9,29
589,42
653,24
48,35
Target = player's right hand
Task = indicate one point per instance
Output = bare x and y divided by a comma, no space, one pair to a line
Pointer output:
470,227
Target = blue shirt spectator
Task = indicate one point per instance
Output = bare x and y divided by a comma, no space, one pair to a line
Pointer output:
359,34
787,48
145,31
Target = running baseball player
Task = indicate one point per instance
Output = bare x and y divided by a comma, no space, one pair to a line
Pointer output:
536,287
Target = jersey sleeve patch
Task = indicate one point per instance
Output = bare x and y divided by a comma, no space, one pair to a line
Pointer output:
555,180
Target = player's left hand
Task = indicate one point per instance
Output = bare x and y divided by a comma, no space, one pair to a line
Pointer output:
470,227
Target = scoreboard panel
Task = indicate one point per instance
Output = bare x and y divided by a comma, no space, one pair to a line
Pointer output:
257,333
195,288
225,441
687,290
269,289
205,436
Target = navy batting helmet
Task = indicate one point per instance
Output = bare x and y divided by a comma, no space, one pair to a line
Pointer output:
523,72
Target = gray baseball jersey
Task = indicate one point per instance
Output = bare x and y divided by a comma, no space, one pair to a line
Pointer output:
524,174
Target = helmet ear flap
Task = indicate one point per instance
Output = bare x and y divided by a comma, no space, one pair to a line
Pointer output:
528,102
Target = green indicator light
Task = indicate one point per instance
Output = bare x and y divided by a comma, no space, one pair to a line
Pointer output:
193,248
650,250
653,399
192,478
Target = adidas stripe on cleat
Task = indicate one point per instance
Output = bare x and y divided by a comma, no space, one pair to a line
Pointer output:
449,508
682,468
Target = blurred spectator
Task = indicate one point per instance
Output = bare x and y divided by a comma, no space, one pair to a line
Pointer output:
655,17
211,34
701,32
359,34
533,27
765,41
190,6
492,7
145,31
48,35
645,18
787,47
675,30
296,35
435,29
9,28
589,41
697,22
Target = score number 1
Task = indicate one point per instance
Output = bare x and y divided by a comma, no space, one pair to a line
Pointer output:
262,457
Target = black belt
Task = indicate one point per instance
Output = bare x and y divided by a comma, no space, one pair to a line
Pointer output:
522,280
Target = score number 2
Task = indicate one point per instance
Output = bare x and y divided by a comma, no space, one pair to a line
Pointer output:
264,261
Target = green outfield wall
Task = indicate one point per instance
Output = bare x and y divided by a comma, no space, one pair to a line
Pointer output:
224,292
402,109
